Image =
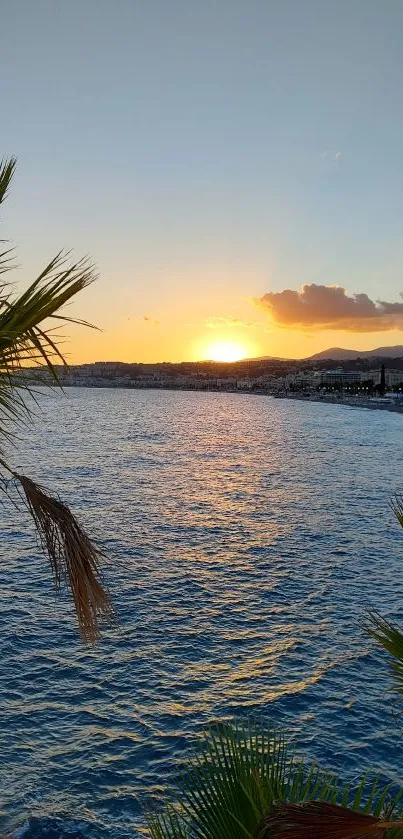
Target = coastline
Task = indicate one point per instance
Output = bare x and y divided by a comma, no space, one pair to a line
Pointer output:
373,404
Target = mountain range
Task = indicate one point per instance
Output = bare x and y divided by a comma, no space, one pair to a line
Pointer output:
340,354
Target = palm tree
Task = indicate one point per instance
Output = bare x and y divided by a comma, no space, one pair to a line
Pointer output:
243,784
26,343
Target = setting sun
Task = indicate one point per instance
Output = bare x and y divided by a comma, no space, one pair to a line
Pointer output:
225,351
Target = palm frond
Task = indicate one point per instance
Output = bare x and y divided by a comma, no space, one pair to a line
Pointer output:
73,557
167,825
397,508
23,339
7,168
232,781
6,262
243,774
321,820
390,638
57,284
26,341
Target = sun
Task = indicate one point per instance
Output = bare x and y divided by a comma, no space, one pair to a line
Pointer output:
225,351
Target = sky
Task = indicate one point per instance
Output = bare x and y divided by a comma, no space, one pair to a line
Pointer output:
233,168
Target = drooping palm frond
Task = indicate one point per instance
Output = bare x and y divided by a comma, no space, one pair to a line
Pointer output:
72,556
242,775
321,820
27,342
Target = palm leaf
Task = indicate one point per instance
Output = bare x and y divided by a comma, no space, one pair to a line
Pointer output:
167,825
384,632
321,820
23,339
72,556
7,168
240,780
228,786
26,341
390,638
397,508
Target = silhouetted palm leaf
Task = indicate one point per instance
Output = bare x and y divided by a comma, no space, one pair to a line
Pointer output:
7,168
26,342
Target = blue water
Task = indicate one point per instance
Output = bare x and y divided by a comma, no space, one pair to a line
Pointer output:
246,536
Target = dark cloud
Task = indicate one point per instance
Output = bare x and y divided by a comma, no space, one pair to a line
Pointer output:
330,307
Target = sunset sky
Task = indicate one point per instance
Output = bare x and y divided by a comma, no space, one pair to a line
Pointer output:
213,158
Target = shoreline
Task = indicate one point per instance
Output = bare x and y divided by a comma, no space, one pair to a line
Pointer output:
346,401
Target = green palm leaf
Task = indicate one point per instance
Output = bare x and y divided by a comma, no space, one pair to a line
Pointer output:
397,507
390,638
242,774
232,781
387,634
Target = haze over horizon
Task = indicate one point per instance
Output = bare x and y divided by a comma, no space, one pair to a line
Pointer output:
233,169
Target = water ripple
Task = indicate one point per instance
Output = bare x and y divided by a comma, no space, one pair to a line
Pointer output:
246,537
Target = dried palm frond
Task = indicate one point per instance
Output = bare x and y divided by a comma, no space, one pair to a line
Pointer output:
321,820
73,557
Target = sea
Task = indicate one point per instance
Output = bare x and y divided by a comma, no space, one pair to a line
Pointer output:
246,538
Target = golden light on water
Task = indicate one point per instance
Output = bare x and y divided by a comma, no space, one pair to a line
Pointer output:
227,350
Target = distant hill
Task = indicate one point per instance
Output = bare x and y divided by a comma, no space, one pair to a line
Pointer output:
339,354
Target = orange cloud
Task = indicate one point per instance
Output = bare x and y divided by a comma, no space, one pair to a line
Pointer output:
330,307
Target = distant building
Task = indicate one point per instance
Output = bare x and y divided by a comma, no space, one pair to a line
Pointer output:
340,377
392,377
303,379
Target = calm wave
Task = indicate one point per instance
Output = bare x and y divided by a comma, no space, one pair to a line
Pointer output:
246,537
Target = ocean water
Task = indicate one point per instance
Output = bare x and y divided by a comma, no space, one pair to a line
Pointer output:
245,537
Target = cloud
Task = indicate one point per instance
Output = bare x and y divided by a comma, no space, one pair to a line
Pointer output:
330,307
150,320
331,156
225,322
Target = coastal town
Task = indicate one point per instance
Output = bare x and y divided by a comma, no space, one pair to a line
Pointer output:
375,383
